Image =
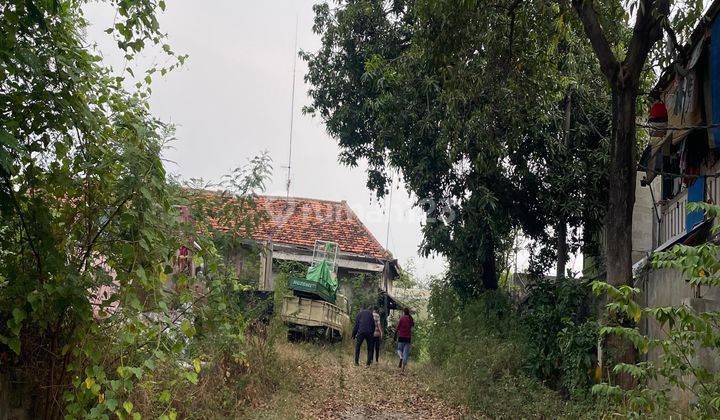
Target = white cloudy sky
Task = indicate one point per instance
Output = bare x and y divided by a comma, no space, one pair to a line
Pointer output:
232,101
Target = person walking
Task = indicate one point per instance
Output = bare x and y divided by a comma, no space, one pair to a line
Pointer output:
377,335
404,336
363,330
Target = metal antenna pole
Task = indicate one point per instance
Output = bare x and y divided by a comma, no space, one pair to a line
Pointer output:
387,231
386,271
292,112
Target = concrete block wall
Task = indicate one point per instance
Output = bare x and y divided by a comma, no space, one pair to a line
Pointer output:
669,288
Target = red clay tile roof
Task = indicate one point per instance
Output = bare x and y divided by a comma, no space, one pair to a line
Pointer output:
301,221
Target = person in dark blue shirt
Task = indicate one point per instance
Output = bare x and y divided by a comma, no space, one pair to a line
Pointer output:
363,330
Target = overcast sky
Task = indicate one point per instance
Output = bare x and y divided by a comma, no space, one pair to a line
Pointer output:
232,101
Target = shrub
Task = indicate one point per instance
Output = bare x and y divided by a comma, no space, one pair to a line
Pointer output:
561,334
687,332
480,349
363,292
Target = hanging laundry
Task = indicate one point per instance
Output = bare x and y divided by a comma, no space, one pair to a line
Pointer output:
658,119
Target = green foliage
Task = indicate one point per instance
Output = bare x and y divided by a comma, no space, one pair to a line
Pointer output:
481,348
466,101
578,357
407,278
364,292
84,208
687,333
561,334
553,334
278,328
292,268
91,303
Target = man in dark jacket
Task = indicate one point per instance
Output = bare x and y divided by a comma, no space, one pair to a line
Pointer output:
363,331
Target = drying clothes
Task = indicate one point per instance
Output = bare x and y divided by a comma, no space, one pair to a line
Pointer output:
682,101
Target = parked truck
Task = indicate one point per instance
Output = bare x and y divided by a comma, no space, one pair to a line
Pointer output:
315,309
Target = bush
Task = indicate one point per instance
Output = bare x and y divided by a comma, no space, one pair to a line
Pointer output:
363,292
484,350
689,332
561,334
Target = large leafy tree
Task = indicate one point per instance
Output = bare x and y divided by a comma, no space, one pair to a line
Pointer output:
84,202
624,64
89,221
473,104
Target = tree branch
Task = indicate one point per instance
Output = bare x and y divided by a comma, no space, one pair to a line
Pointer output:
118,207
92,242
589,18
677,48
511,14
647,31
28,236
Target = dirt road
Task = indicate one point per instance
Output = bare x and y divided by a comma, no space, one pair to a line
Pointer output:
334,388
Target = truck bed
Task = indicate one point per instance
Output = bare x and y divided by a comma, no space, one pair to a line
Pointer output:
314,313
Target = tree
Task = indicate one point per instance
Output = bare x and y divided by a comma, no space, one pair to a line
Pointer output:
89,220
83,194
623,65
471,117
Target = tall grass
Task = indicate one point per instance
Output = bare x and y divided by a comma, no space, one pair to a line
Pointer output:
479,352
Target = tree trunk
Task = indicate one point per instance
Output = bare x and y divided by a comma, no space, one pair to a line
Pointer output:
618,221
489,269
561,228
624,79
561,233
621,177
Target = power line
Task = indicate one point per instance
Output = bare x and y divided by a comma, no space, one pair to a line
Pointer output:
677,128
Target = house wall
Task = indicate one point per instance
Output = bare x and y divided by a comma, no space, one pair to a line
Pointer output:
644,228
669,288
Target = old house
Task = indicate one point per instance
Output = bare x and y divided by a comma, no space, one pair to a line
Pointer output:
294,224
680,165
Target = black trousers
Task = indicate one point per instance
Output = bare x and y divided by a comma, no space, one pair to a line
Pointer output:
376,348
368,338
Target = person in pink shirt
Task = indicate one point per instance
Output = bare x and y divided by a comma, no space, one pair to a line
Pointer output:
404,336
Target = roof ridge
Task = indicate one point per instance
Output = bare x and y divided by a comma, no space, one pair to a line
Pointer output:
388,253
279,197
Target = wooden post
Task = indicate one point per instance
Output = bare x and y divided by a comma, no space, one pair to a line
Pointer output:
386,276
266,258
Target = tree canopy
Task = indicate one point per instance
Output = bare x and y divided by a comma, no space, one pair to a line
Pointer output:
90,221
468,101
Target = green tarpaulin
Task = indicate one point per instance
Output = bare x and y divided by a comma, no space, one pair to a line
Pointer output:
320,281
321,273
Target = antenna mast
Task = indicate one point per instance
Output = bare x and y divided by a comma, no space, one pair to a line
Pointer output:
387,230
292,112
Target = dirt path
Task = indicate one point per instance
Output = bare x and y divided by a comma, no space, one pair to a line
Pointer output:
334,388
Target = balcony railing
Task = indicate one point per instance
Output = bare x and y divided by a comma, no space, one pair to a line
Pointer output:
712,191
672,218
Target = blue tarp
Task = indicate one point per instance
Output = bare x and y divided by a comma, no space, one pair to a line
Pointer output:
696,193
715,78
